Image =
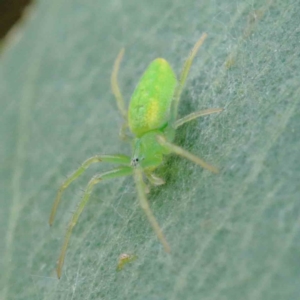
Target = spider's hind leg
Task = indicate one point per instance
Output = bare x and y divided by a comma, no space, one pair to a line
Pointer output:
196,115
186,154
118,95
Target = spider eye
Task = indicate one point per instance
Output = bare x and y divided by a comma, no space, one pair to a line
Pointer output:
135,161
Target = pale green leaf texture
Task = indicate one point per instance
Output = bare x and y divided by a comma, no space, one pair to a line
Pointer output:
235,235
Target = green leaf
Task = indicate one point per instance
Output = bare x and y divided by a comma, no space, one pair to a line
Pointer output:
234,235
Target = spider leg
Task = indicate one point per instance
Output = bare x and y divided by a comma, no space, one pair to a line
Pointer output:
118,95
154,180
115,86
141,189
183,76
119,172
119,159
180,151
196,115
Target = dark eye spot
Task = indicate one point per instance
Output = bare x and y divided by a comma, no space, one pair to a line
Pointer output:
135,161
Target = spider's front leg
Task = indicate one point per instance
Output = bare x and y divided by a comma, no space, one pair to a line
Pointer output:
119,172
118,159
141,189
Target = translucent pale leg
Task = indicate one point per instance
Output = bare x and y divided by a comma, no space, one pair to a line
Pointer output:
179,151
195,115
119,98
124,134
123,171
119,159
154,180
184,75
115,86
140,185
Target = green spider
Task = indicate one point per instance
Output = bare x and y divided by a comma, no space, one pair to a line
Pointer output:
152,120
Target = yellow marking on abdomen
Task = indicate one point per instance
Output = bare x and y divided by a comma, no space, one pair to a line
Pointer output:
152,112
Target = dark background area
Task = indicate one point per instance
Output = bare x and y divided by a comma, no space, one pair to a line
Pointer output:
10,12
